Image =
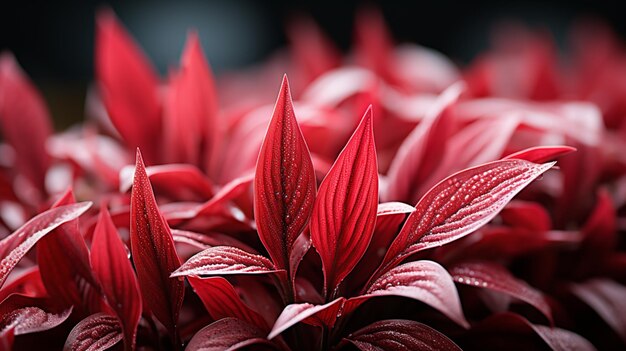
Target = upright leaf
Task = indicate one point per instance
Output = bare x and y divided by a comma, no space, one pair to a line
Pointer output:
16,245
190,123
97,332
229,334
128,86
284,182
459,205
116,275
398,334
153,253
23,113
344,214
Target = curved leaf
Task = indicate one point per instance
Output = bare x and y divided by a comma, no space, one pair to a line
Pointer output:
23,113
495,277
180,181
424,281
97,332
22,315
221,300
229,334
16,245
284,182
319,315
398,334
344,214
460,204
153,253
606,298
128,86
541,154
116,275
220,260
190,123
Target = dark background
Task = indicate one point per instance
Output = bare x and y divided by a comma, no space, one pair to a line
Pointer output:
53,41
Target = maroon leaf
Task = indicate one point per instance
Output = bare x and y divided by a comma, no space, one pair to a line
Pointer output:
221,260
190,124
460,204
153,253
398,334
23,113
425,281
422,150
284,182
205,240
16,245
128,86
23,315
527,215
495,277
344,214
229,334
97,332
221,300
541,154
116,275
606,297
600,227
28,283
180,181
320,315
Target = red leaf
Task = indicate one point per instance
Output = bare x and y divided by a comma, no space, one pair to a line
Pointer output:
28,283
206,240
398,334
97,332
221,300
421,152
319,315
23,315
600,228
229,334
116,275
606,297
23,113
223,260
495,277
180,181
541,154
460,204
424,281
527,215
128,86
190,123
64,265
344,214
153,253
284,182
16,245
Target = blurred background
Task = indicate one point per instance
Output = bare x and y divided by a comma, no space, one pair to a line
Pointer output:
53,41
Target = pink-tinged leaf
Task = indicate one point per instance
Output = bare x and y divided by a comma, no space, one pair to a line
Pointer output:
494,277
284,182
179,181
190,123
116,275
421,152
299,250
459,205
312,51
97,332
25,315
16,245
505,325
221,300
229,334
128,86
527,215
541,154
344,214
64,265
223,260
601,227
23,113
398,334
28,283
319,315
393,208
606,298
424,281
154,254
